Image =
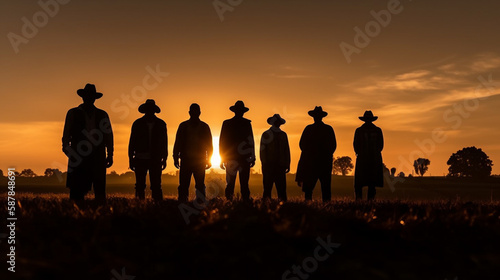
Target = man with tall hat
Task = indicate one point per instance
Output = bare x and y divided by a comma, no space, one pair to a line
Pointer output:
237,152
87,137
148,150
275,158
193,146
368,145
317,143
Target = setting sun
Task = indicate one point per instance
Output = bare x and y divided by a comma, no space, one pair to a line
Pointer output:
216,156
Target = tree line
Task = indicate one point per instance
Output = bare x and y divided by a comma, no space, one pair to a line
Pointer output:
467,162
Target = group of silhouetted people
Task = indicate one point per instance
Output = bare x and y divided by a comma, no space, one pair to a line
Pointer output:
88,142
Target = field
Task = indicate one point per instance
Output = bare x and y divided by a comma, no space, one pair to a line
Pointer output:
428,228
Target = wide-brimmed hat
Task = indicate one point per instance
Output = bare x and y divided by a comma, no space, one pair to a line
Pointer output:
149,106
239,106
368,117
276,119
317,112
89,91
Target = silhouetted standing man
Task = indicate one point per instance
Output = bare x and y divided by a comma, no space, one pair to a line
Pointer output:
275,157
236,147
87,136
193,145
148,150
368,145
317,144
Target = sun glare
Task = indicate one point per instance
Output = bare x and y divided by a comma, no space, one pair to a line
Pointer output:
215,157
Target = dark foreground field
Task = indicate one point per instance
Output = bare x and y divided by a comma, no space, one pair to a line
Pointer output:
56,239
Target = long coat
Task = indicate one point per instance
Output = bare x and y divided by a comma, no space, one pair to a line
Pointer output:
87,136
236,140
317,143
368,145
141,141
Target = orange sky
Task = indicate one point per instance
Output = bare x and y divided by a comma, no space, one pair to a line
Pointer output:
423,71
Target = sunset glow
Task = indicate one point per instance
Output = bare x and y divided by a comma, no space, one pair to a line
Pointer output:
216,156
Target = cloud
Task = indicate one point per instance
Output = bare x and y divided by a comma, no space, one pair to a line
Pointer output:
485,62
293,72
416,100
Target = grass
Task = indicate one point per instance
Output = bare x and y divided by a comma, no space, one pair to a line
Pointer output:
386,239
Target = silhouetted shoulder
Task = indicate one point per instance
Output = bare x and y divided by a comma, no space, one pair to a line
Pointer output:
160,121
100,111
204,124
72,110
309,127
137,122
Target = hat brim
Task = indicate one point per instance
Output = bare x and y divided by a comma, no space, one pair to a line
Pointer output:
317,113
273,120
144,108
368,119
84,93
238,109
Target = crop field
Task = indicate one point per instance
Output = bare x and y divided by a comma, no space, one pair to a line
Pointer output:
453,233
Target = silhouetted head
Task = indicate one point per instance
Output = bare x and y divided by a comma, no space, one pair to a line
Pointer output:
239,108
276,120
318,114
194,111
368,117
89,94
149,108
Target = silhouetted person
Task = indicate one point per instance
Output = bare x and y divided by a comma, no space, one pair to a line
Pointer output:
368,145
275,158
86,138
148,150
193,145
237,152
317,144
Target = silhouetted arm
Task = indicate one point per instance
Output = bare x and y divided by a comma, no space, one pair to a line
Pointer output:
303,143
287,152
132,145
334,141
108,139
357,142
68,128
251,144
164,152
209,145
179,141
108,136
263,148
381,141
223,144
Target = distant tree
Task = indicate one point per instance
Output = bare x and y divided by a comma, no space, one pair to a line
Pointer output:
401,174
1,173
410,175
50,172
469,162
386,170
393,171
342,165
27,173
421,166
